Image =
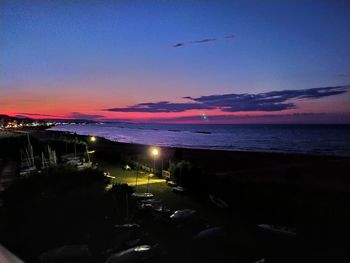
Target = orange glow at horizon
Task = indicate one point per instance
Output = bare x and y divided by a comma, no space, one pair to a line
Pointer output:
87,102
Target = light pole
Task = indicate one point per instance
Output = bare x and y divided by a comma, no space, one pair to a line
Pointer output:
154,154
92,139
137,175
88,154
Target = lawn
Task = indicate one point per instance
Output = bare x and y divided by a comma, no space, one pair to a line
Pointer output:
164,193
129,177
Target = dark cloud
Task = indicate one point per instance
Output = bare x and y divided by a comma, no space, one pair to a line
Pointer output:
178,45
38,114
163,106
203,40
200,41
78,115
269,101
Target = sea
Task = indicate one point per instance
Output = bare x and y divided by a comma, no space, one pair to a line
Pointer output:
286,138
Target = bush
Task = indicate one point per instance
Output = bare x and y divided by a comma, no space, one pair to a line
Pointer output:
185,174
56,207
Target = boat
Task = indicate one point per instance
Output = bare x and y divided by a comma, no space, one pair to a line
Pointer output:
171,183
124,236
209,233
126,167
84,165
142,195
156,206
135,254
218,202
278,229
27,171
182,214
178,189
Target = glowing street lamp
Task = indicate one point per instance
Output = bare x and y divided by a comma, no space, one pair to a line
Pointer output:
154,153
92,139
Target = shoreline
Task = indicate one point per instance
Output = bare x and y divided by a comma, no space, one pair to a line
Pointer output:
315,171
214,149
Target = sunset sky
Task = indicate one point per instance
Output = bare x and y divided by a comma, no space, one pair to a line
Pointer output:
176,61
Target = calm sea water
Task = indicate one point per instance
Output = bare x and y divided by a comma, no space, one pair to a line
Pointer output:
315,139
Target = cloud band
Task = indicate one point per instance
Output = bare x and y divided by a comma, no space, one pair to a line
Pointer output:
269,101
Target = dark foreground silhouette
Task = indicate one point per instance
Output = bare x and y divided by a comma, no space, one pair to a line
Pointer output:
63,209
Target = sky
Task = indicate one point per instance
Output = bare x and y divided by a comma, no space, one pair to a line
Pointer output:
176,61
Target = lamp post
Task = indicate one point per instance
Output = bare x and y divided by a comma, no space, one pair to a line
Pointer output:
137,175
88,153
92,139
154,154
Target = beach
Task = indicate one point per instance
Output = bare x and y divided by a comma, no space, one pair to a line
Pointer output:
308,193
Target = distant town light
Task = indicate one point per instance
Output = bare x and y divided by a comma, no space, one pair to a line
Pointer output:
92,138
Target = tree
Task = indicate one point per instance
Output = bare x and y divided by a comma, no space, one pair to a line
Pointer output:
183,173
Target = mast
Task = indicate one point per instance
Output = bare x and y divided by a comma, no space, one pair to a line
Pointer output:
30,152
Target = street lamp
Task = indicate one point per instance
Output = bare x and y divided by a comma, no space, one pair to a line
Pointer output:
92,139
154,153
88,153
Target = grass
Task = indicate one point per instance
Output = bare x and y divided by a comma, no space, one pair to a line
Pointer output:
129,177
163,192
